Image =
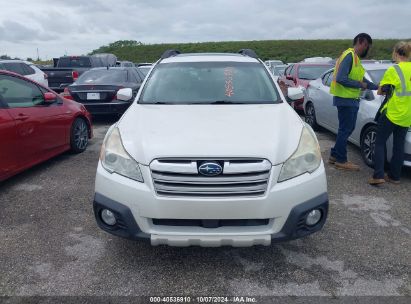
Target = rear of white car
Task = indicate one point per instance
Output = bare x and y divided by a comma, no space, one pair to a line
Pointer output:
25,68
208,161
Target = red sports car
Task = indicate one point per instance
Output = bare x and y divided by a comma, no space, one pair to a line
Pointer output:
37,124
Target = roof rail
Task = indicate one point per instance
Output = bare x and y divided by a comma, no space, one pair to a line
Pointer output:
248,52
170,53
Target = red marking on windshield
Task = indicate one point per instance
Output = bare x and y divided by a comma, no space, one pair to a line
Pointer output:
229,88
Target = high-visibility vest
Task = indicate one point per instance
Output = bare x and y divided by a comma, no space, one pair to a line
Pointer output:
398,108
357,73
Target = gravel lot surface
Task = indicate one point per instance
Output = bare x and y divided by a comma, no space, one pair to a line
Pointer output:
51,245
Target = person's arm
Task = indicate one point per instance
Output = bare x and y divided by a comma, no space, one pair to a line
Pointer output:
370,85
343,72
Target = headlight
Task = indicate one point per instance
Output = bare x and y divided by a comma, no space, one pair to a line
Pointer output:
307,158
114,157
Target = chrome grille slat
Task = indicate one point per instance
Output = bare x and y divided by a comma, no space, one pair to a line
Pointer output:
160,177
240,177
212,189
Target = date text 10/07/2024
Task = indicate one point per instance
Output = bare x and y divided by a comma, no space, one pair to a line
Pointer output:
203,300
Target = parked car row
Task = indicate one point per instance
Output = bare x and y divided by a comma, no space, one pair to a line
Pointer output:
36,123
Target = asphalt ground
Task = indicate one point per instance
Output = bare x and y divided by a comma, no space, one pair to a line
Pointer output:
50,244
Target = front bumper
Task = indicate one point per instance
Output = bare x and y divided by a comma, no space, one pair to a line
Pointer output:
293,228
137,207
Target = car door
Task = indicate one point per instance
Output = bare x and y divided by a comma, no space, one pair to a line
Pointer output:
8,143
40,128
328,111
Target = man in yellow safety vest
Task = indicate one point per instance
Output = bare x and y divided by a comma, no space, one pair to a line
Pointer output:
348,81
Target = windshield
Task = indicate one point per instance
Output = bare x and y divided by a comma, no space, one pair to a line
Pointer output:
103,76
144,70
312,72
278,71
209,82
376,75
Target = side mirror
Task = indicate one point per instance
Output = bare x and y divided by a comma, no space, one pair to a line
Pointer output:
295,93
289,77
125,94
49,97
367,95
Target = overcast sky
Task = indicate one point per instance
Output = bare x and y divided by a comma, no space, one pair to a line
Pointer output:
77,27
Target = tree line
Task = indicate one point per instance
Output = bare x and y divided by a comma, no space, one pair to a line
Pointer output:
285,50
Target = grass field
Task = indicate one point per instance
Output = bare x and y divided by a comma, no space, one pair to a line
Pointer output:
285,50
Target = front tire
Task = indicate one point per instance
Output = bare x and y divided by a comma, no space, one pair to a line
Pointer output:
79,135
310,117
368,140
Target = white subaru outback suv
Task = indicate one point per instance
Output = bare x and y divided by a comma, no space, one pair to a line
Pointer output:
210,154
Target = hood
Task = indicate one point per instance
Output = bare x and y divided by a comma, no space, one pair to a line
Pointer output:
210,131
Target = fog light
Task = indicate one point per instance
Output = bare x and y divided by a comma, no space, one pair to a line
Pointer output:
313,217
108,217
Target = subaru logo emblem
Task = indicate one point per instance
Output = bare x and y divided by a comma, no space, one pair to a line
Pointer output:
210,169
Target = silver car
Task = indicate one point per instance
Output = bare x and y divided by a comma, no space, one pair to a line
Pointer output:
319,111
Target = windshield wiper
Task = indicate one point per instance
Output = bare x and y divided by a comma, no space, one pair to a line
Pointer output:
155,102
225,102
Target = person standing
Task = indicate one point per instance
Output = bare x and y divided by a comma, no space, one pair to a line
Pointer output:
348,81
395,116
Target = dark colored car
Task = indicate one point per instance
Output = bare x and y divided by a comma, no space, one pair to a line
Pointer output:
97,89
37,124
299,75
68,68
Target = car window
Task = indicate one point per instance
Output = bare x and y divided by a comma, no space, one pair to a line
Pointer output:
291,70
14,67
278,71
329,79
325,78
312,72
209,82
141,76
74,62
103,76
135,76
28,70
144,70
18,93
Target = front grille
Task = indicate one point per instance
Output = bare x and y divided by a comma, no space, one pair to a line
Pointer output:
240,177
211,223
